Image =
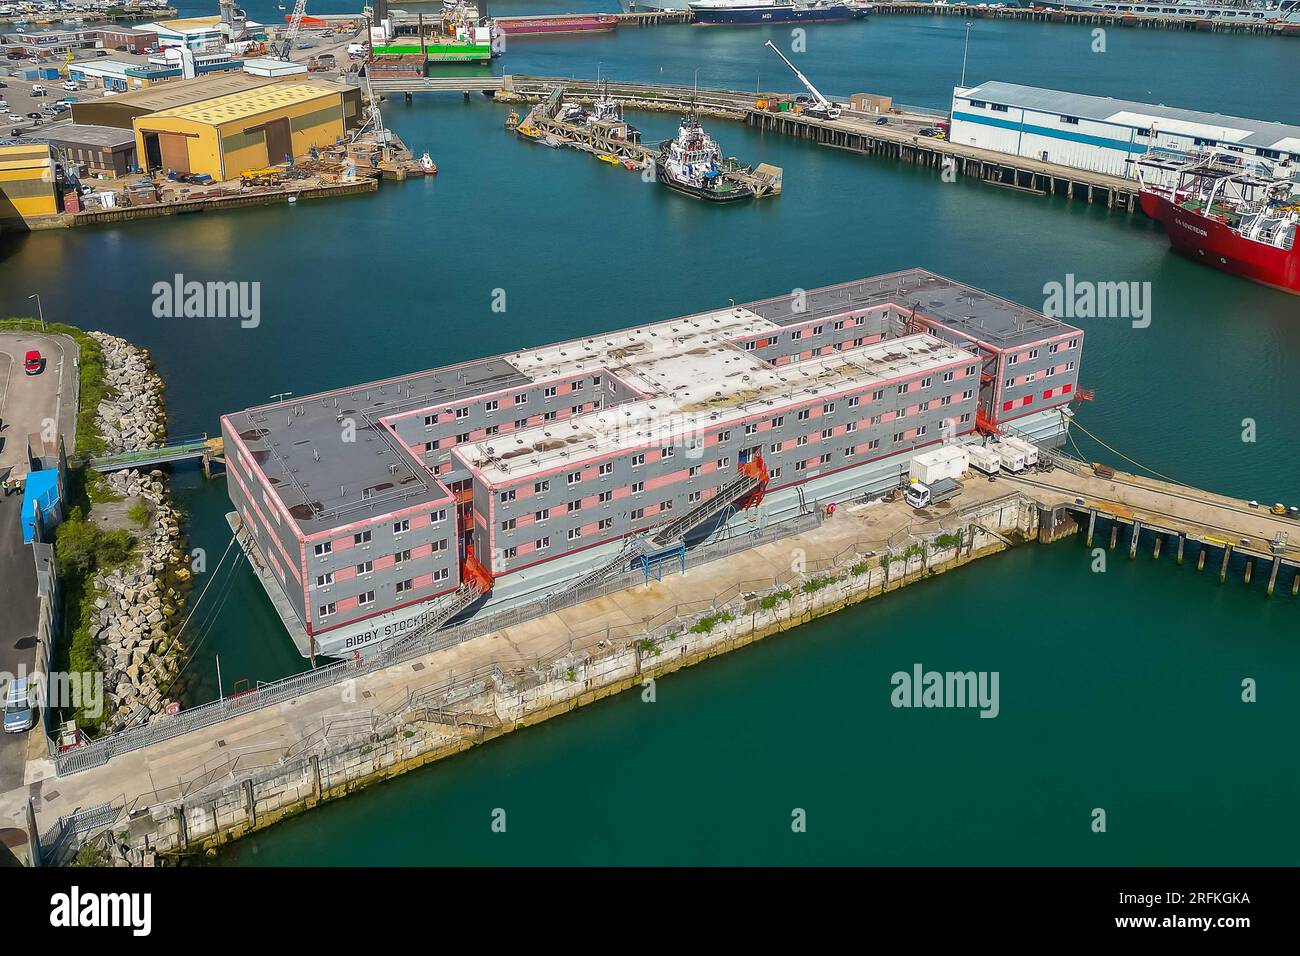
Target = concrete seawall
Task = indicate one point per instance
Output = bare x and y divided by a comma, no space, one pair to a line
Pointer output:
428,724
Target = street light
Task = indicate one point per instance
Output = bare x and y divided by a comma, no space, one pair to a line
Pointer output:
39,311
964,50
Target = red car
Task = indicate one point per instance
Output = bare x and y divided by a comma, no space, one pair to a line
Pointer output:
33,363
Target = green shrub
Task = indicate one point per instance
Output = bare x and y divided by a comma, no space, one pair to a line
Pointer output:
139,513
772,600
816,584
945,541
706,624
862,567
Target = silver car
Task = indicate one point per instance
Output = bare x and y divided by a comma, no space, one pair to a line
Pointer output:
18,707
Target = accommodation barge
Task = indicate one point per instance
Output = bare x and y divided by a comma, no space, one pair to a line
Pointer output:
376,512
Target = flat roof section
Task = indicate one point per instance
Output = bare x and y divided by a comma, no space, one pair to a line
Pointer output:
700,393
963,308
183,92
248,103
321,479
79,134
1229,129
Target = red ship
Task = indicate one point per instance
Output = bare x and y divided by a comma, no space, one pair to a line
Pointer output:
562,23
1228,211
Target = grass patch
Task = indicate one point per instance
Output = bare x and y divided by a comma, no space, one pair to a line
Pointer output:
772,600
862,567
139,513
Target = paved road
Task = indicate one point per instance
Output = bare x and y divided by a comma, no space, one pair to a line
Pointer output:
18,609
27,401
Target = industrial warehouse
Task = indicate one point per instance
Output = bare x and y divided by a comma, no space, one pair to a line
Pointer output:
27,184
511,476
219,137
1099,133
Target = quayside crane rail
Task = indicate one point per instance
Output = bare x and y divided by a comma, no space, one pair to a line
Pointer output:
821,107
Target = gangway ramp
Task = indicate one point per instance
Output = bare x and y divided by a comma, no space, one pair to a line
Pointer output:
200,447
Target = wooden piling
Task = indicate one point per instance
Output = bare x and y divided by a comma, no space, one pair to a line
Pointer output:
1200,559
1114,535
1223,568
1272,576
1133,540
1156,553
1092,523
1182,541
1250,567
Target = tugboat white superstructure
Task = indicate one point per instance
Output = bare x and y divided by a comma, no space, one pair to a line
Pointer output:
692,164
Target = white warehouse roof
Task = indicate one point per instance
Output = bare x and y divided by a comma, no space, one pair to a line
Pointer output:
1216,126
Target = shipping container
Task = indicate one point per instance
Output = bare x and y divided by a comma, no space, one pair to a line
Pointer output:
1029,449
1013,459
984,458
950,461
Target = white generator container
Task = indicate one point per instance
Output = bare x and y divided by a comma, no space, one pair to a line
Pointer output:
985,459
950,461
1012,458
1029,449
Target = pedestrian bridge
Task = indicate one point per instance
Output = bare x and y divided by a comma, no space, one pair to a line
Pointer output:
196,447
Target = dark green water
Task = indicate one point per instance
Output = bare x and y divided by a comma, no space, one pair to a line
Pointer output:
1118,690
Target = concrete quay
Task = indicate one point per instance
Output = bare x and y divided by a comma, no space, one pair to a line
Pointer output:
470,692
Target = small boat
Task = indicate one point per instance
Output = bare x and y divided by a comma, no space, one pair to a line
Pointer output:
512,121
291,200
552,141
606,158
430,168
631,164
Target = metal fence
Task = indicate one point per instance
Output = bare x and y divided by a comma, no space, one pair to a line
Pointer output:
59,844
98,752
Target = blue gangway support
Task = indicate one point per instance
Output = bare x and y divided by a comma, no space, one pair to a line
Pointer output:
654,561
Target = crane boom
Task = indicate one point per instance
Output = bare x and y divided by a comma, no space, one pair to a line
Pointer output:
822,105
295,24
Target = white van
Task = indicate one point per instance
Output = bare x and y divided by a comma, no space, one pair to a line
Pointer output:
38,90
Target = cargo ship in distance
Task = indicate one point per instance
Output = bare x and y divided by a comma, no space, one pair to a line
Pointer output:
1231,213
749,12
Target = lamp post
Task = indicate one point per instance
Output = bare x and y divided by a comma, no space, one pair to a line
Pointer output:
964,50
39,311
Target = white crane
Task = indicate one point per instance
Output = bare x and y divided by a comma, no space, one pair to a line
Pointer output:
295,24
821,107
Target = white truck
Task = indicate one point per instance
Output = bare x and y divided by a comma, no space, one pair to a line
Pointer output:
920,495
984,458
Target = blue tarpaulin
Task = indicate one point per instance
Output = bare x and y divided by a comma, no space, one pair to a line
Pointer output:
41,492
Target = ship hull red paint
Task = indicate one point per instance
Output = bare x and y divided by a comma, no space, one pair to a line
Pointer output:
580,24
1213,243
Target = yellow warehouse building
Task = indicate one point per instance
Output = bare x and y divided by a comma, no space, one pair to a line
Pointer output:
27,184
250,129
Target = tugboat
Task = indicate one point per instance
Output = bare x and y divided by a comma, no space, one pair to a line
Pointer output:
605,109
691,165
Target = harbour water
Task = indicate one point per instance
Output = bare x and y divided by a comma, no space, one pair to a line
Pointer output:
1120,690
